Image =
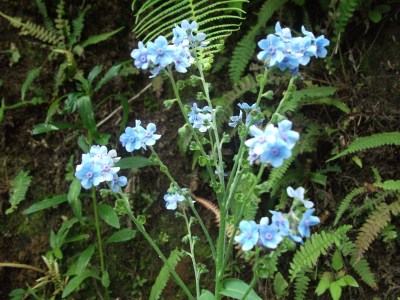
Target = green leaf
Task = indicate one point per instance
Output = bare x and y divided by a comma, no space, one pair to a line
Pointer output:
42,128
74,283
46,203
374,15
206,295
111,73
350,281
134,162
324,283
357,161
122,235
336,290
235,288
19,187
32,75
94,73
95,39
105,279
86,113
109,215
84,259
337,261
73,197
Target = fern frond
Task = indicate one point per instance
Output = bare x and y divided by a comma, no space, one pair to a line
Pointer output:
95,39
245,48
308,254
329,101
19,187
377,176
389,185
163,276
77,27
375,222
46,20
346,202
62,25
361,267
344,13
32,29
368,142
301,284
217,19
32,75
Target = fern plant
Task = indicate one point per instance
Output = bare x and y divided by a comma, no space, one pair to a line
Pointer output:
19,187
61,36
217,19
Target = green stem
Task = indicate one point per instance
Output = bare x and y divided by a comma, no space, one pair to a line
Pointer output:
203,227
192,255
236,225
171,269
99,240
255,276
194,133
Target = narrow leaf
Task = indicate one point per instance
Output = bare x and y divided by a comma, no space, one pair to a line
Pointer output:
73,197
122,235
44,204
95,39
134,162
74,283
235,288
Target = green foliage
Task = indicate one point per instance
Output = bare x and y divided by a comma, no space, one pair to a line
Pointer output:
19,187
163,277
375,222
217,19
280,285
46,203
301,284
344,13
308,254
236,288
368,142
60,37
360,266
245,48
389,185
346,202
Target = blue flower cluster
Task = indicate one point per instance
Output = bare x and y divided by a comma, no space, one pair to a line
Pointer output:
98,166
273,145
200,118
287,52
250,111
159,54
270,234
138,137
175,196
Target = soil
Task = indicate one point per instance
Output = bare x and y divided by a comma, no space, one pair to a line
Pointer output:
368,81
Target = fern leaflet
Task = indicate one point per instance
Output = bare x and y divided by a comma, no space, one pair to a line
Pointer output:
19,187
389,185
346,202
308,254
217,19
163,276
301,285
368,142
373,225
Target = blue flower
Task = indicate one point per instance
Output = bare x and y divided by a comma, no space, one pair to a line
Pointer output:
321,42
302,48
289,136
141,57
284,33
307,221
249,235
182,60
200,117
107,169
273,48
117,182
89,173
173,200
275,153
131,139
269,234
159,52
282,222
299,194
236,120
149,138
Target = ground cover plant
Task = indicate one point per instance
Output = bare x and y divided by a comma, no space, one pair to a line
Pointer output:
283,185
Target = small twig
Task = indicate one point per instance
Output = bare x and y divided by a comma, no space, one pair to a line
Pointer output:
120,107
22,266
